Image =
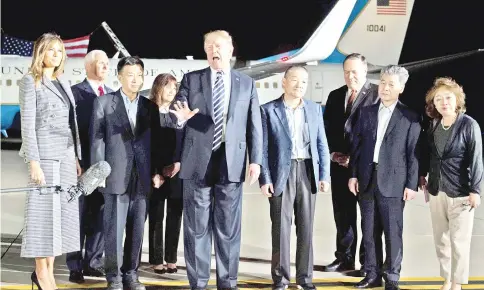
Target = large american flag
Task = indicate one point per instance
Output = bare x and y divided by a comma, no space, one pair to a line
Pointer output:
391,7
76,47
16,46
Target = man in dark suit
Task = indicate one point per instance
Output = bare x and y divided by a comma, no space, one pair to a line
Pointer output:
223,126
295,165
341,111
122,127
384,174
90,207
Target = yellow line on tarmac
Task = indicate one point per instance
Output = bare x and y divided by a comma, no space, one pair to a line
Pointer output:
247,283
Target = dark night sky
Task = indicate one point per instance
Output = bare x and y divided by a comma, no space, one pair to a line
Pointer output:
174,29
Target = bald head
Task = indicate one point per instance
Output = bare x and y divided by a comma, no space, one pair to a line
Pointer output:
96,63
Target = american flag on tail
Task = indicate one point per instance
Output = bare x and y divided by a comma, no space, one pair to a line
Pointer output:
391,7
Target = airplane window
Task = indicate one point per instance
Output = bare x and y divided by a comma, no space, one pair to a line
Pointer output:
266,85
274,85
9,83
257,85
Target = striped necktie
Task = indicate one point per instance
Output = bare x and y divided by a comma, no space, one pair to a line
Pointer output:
218,96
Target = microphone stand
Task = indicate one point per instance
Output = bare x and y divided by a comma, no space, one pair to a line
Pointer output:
42,189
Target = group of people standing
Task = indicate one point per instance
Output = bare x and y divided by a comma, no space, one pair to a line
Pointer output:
190,148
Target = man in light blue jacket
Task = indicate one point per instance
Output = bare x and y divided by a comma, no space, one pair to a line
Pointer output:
295,166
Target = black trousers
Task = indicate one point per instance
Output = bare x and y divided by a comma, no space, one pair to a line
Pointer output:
91,217
297,197
124,212
345,216
167,251
212,208
381,214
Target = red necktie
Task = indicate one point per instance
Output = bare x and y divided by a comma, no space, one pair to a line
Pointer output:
101,90
350,101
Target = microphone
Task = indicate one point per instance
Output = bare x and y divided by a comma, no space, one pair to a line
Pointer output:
90,180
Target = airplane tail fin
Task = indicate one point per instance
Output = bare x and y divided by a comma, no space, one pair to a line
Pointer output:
322,42
376,29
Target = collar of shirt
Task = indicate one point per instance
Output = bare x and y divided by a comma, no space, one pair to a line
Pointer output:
164,110
300,106
391,107
95,86
225,75
127,100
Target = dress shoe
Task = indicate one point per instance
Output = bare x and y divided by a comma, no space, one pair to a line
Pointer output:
171,270
391,285
95,272
307,286
115,286
339,265
134,285
160,271
369,283
35,280
76,277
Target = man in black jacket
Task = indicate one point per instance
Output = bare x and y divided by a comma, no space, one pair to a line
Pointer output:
384,171
339,117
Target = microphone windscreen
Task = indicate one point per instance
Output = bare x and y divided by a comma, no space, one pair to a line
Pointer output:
90,180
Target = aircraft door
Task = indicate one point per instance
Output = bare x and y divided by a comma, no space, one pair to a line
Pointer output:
315,87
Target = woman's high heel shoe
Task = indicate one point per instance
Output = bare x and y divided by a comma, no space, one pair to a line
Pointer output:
35,280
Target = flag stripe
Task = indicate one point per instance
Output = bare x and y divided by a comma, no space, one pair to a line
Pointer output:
392,7
77,39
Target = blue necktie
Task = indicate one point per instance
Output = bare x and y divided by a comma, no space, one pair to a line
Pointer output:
218,96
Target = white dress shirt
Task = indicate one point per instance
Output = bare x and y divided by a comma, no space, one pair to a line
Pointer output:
95,87
131,109
299,130
384,115
227,86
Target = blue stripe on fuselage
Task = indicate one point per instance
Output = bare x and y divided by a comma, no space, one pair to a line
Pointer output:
8,113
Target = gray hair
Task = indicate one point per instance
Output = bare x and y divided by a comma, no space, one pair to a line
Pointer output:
91,56
399,71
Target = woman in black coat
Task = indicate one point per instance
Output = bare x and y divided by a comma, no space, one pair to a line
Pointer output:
452,158
162,93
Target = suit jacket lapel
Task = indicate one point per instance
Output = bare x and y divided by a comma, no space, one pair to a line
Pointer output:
361,96
68,91
374,120
396,116
206,81
140,117
281,114
308,113
87,87
120,111
48,83
234,92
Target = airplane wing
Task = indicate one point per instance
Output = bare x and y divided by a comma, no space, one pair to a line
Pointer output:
374,71
318,47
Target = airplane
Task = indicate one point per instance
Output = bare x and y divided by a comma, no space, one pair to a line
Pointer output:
363,26
319,46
